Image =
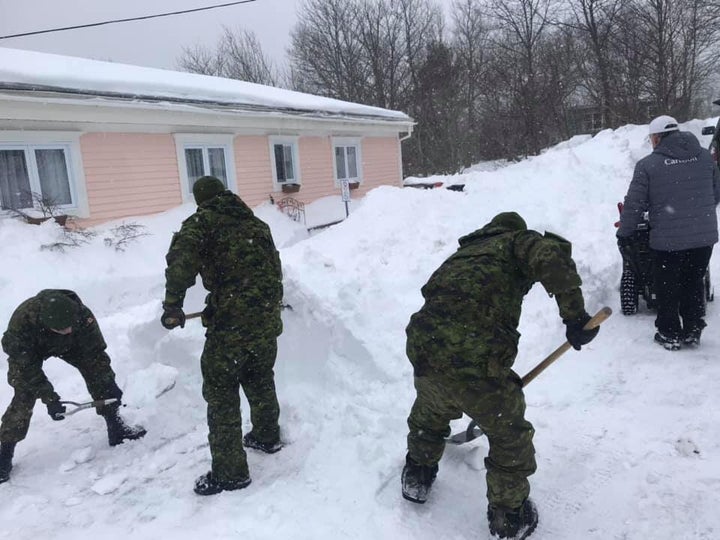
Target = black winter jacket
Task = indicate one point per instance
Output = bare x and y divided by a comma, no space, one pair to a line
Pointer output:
679,186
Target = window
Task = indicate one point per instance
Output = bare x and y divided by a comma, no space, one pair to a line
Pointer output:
203,160
205,154
347,160
30,171
284,156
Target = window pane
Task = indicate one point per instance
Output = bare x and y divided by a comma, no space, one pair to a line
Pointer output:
15,189
216,157
194,161
53,173
340,162
280,163
352,162
289,169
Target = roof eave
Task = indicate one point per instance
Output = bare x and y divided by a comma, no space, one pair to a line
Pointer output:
228,106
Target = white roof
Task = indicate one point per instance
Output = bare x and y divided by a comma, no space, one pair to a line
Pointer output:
34,69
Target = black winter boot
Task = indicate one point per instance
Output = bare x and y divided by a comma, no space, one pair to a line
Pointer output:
670,342
207,484
516,524
692,333
250,441
118,430
7,450
417,480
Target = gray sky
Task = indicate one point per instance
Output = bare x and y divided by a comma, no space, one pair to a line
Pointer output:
154,42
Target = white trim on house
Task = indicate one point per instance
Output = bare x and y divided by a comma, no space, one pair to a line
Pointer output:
184,141
21,111
346,142
69,142
293,142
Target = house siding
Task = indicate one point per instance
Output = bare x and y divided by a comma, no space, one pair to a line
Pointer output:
381,164
129,174
316,169
253,169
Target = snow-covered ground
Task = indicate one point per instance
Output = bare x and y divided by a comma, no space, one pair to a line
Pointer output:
628,434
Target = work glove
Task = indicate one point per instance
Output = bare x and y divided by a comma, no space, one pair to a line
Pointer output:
625,243
56,410
576,335
172,316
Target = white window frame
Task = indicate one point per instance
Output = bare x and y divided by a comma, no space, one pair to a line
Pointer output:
186,141
69,142
287,141
344,142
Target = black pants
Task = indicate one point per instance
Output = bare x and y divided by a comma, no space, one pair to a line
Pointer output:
680,290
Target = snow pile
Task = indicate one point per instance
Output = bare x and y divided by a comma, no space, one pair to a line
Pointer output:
627,437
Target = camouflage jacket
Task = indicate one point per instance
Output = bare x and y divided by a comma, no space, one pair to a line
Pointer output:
28,343
234,253
483,284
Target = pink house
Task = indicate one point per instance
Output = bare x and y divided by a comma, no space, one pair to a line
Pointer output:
107,141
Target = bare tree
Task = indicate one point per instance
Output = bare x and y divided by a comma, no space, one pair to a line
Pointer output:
473,47
596,22
522,24
326,53
237,55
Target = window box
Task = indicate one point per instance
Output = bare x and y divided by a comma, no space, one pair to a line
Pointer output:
60,220
354,185
290,188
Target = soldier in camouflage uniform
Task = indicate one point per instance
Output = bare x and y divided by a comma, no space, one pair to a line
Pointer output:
462,345
234,253
55,323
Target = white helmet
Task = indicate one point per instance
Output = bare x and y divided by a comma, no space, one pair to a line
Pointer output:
663,124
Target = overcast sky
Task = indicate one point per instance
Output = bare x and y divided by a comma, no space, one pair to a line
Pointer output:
154,42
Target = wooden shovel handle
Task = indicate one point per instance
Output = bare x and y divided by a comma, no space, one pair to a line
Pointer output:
594,322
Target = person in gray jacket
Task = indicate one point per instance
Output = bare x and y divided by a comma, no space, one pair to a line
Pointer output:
678,185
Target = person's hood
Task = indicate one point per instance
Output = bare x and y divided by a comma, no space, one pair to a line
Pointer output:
227,203
679,145
502,223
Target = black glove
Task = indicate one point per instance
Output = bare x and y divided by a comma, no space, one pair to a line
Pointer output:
56,410
172,316
626,244
576,335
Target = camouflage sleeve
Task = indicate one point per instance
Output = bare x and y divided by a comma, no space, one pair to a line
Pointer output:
25,372
183,261
636,202
549,261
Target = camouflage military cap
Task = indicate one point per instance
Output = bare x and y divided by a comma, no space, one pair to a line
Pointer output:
205,188
57,311
509,220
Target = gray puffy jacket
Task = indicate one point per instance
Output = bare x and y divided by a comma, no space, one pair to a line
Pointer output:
679,186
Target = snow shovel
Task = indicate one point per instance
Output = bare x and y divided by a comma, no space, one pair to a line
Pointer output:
82,406
474,431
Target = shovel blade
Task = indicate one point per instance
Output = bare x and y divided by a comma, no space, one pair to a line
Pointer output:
472,432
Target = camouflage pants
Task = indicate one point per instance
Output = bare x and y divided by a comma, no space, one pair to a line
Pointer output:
498,406
99,378
231,360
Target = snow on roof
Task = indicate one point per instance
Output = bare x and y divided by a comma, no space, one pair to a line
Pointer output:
23,69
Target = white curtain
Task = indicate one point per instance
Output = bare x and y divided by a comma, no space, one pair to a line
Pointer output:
53,174
194,161
15,189
216,158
